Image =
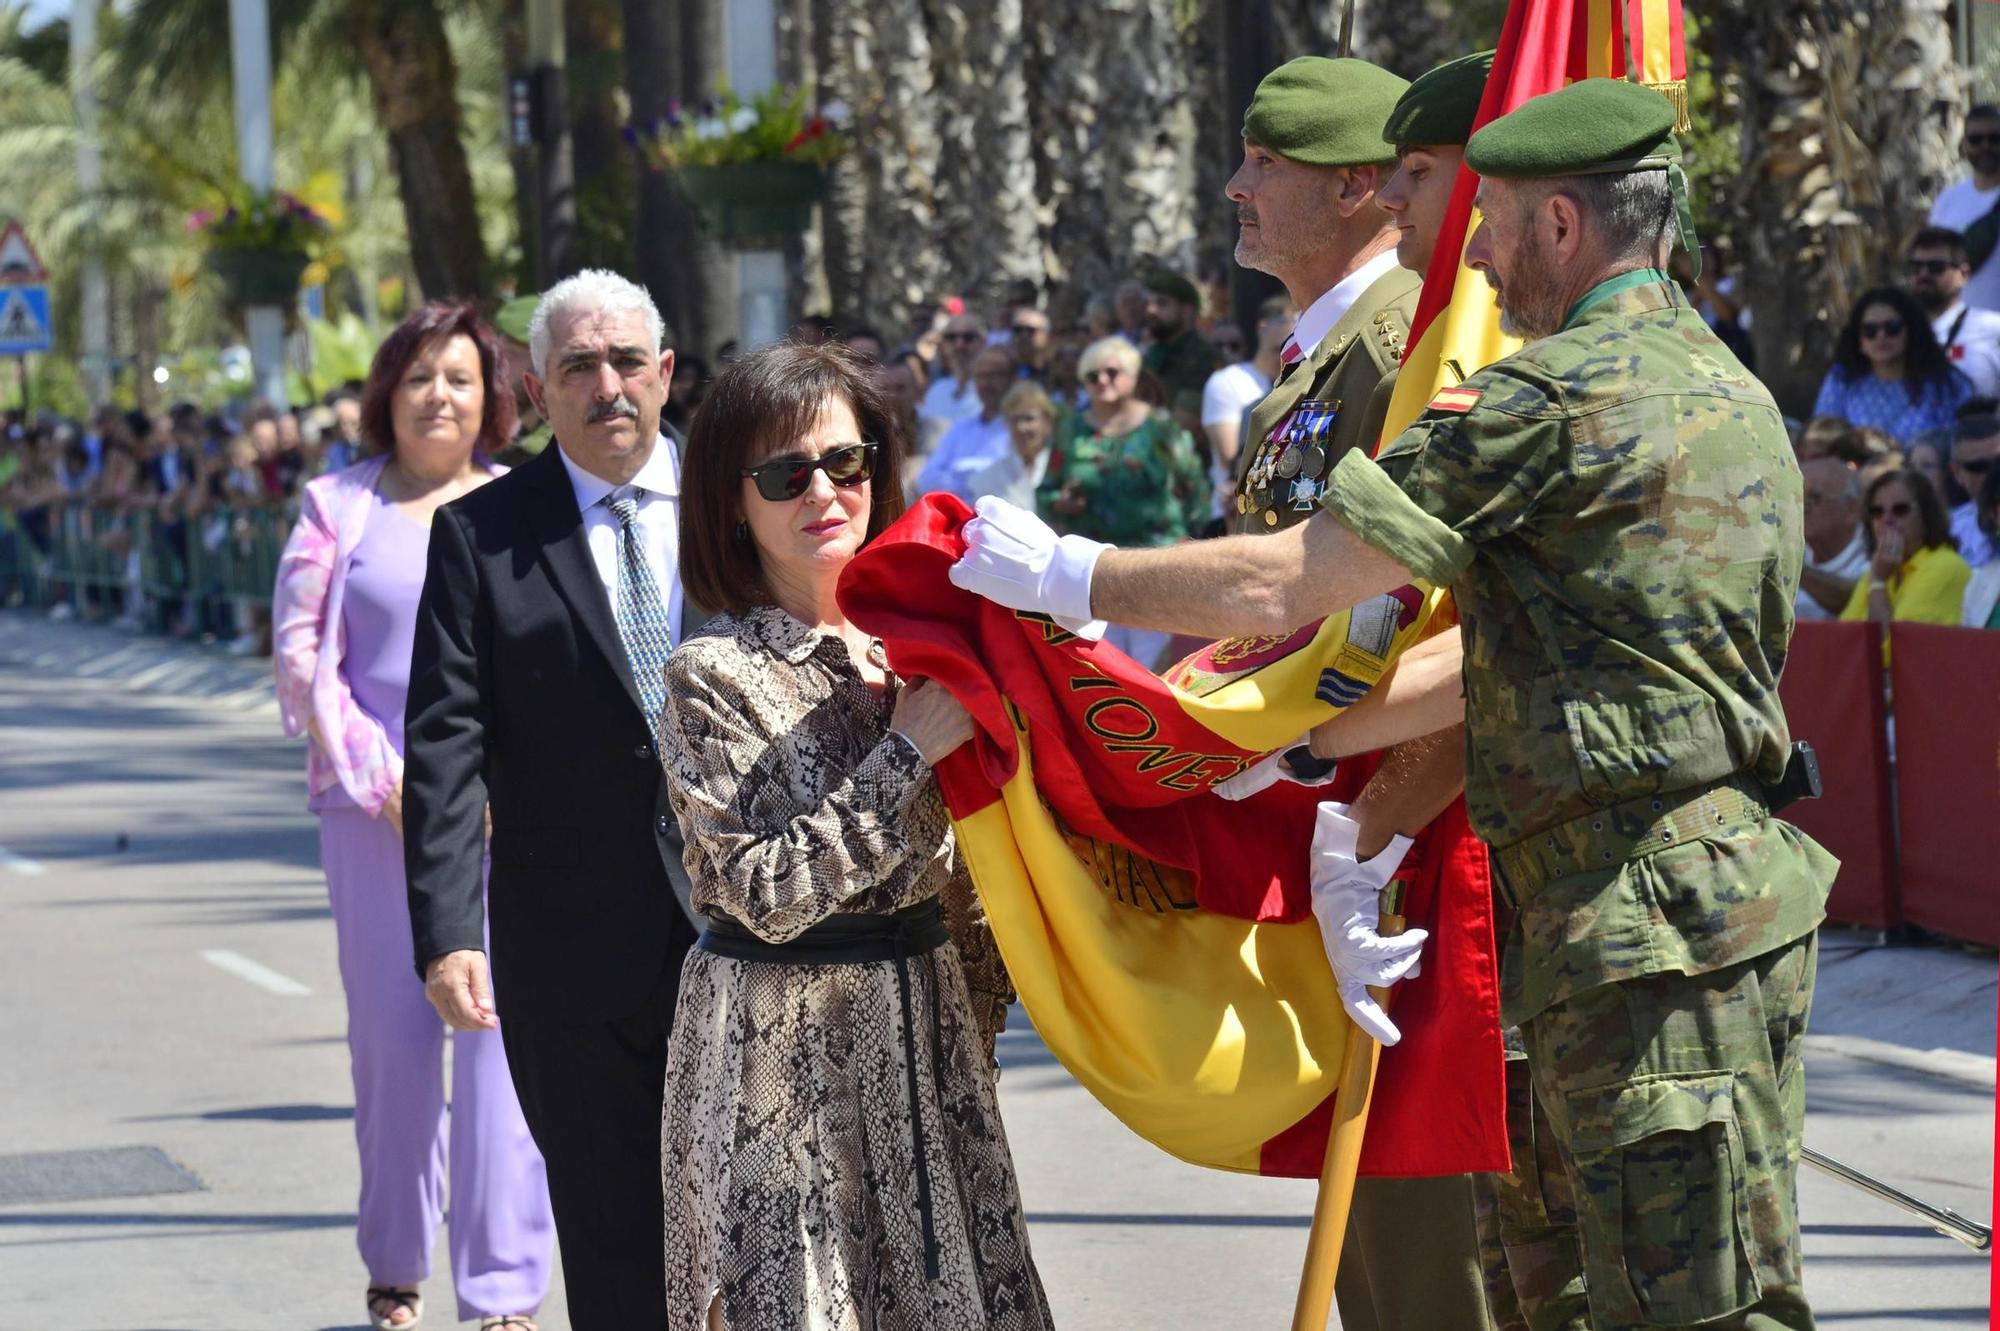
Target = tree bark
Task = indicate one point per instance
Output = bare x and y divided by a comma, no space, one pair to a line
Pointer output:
414,80
1849,113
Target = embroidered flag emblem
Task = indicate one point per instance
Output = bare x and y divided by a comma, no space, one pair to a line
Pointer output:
1458,398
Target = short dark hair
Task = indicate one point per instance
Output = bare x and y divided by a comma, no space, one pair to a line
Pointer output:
1937,527
756,406
436,321
1940,238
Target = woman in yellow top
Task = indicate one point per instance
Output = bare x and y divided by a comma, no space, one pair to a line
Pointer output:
1914,573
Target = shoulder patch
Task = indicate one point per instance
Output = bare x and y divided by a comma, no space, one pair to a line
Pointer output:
1457,398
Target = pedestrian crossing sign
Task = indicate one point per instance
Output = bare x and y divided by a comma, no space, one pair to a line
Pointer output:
24,320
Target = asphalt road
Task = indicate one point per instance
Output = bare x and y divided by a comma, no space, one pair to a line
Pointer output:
170,985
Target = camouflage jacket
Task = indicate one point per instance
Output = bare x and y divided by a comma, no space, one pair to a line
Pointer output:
1182,366
1148,487
1619,514
1330,402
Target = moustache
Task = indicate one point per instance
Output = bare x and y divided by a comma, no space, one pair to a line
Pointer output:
617,408
1246,216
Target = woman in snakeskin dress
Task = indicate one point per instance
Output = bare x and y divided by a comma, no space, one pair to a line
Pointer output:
832,1152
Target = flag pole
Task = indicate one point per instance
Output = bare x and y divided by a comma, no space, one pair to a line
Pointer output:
1343,1153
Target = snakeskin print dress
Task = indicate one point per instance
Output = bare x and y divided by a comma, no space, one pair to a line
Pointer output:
788,1156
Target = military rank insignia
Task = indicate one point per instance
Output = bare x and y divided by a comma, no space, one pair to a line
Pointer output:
1291,467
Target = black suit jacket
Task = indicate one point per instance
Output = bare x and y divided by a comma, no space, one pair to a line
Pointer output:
521,696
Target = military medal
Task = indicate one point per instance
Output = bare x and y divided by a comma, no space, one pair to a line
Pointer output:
1288,463
1315,460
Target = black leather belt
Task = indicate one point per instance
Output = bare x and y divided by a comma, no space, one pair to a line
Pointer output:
847,940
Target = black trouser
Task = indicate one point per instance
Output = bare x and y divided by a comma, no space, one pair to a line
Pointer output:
591,1093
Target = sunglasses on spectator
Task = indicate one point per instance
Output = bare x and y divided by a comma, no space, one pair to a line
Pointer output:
962,337
1934,267
1977,466
1886,328
1982,140
1025,418
1902,508
1027,330
1104,372
788,478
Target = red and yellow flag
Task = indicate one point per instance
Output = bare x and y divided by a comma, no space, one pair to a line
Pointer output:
1545,46
1161,937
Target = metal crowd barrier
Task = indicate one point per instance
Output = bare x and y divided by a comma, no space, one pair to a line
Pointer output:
95,552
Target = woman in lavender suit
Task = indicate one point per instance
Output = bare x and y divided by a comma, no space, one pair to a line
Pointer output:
343,617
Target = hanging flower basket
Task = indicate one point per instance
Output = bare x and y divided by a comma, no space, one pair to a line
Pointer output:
753,205
256,275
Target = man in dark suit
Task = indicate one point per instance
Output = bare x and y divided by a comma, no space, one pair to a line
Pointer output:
551,600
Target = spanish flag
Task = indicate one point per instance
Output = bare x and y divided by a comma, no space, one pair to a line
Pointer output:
1160,937
1545,46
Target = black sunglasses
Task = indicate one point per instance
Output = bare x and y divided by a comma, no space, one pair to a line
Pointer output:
1935,267
1886,328
1981,140
1902,508
1978,466
788,478
965,337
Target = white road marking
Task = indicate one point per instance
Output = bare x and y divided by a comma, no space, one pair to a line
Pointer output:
20,864
262,976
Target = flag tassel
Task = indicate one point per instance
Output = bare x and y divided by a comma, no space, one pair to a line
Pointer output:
1676,91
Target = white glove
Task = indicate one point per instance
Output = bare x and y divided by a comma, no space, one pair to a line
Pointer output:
1014,558
1347,902
1268,772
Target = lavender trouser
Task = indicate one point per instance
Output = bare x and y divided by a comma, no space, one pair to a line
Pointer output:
501,1230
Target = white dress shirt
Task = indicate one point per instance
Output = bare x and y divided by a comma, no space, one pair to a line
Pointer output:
1851,564
1971,338
1958,206
659,488
1010,478
967,447
949,400
1334,303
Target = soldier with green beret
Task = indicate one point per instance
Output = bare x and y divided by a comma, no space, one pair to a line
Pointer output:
1527,1225
1176,352
1617,510
511,321
1314,159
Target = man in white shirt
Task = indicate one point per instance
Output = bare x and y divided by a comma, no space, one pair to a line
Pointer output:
1836,558
1232,390
1974,452
1966,202
976,440
950,398
1971,337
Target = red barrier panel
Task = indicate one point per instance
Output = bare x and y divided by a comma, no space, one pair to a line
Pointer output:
1832,691
1948,777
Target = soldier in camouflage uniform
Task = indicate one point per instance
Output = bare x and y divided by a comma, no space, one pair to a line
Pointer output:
1617,509
511,321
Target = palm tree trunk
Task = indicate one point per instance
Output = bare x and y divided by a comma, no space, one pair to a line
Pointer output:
414,79
1849,113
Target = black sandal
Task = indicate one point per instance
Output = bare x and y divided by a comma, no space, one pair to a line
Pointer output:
401,1300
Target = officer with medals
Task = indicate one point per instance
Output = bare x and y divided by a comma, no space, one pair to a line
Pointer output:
1313,159
1618,512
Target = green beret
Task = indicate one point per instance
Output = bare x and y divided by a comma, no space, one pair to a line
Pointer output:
1176,286
1440,106
1324,112
1592,127
512,319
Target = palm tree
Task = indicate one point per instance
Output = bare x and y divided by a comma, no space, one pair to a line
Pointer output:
176,49
1849,114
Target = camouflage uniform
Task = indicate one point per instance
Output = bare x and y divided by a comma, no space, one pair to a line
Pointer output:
1619,514
1182,366
1147,487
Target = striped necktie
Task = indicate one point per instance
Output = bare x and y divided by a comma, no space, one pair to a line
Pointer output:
1288,356
643,622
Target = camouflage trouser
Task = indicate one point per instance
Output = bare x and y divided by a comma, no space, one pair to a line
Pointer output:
1527,1221
1677,1101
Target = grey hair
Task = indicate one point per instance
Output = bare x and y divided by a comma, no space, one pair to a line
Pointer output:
595,289
1633,211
